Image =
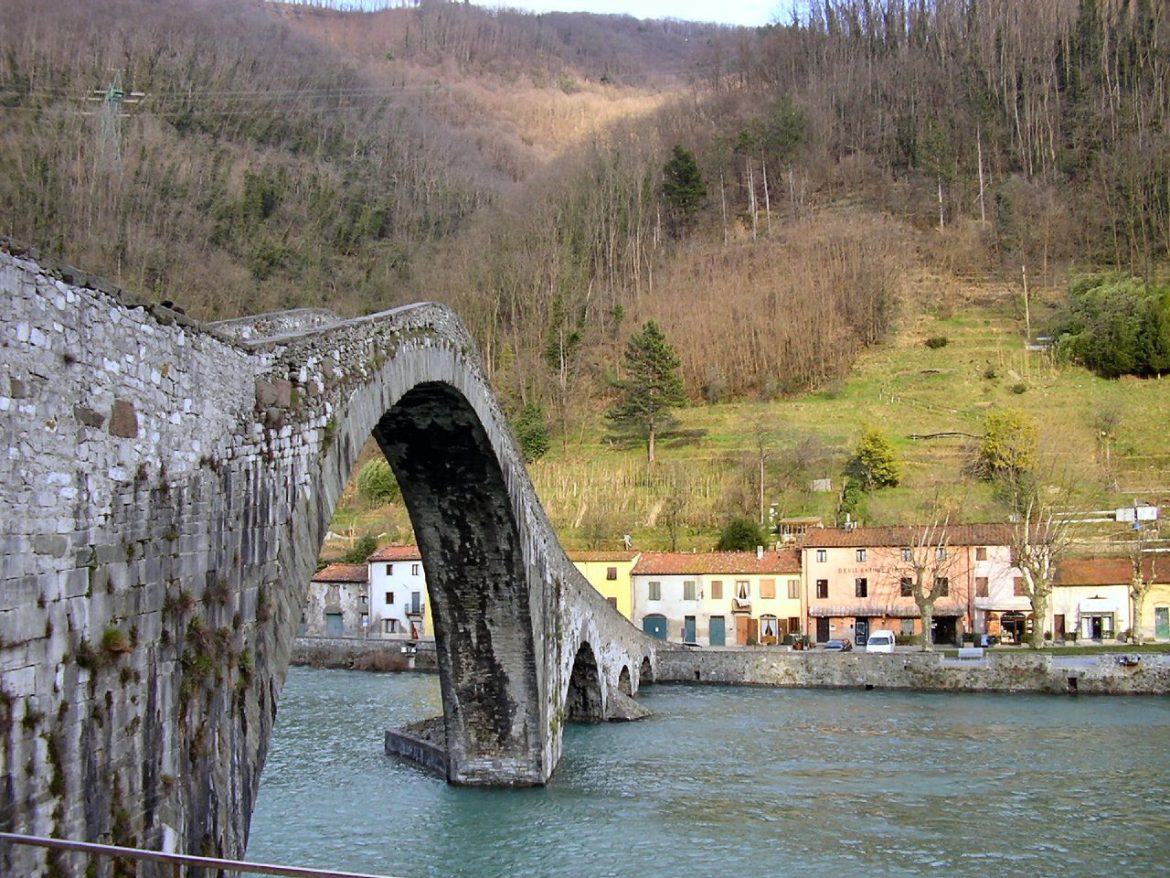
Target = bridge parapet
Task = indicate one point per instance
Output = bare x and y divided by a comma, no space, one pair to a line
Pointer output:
167,489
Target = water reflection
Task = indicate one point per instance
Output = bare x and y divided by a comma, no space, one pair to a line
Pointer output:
743,781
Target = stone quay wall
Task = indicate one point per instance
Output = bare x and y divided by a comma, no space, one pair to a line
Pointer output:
996,672
362,654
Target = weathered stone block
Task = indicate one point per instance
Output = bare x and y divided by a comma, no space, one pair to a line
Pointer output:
124,419
88,416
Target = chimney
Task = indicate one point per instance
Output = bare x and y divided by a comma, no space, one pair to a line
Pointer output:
759,553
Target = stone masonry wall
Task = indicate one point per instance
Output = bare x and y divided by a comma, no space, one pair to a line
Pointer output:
997,672
166,489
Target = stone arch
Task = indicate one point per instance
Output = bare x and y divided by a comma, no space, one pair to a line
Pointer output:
583,701
456,493
624,681
646,677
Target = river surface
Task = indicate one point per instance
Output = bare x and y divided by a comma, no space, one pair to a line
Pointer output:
733,781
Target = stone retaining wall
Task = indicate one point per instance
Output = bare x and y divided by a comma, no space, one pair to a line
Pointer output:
363,655
997,672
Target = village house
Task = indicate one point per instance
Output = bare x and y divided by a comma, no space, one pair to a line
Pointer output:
1090,599
857,579
338,602
609,573
398,594
719,598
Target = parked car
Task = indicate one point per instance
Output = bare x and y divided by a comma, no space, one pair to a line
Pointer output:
880,641
838,644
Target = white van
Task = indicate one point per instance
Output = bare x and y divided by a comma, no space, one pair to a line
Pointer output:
880,641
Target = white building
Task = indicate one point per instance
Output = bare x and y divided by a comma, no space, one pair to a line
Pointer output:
398,594
337,604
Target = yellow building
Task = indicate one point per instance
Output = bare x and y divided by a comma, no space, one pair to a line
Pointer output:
719,598
1156,609
609,573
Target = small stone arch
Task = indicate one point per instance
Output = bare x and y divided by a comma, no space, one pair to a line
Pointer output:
583,702
646,677
624,681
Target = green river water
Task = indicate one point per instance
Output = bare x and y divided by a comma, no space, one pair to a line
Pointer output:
733,781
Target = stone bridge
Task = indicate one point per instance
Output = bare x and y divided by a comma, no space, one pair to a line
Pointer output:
166,486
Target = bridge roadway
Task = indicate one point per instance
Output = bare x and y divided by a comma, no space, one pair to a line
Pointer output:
166,486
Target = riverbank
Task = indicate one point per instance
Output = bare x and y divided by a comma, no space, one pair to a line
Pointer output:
369,654
1104,673
1119,673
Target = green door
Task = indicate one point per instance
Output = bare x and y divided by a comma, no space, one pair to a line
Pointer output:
689,629
718,631
655,626
1162,623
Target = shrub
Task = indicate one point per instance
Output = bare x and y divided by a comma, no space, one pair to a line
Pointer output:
377,484
875,464
1008,447
937,341
1019,387
741,534
362,549
532,433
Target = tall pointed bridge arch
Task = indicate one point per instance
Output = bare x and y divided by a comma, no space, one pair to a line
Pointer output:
170,484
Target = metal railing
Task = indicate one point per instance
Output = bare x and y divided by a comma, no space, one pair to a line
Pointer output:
177,861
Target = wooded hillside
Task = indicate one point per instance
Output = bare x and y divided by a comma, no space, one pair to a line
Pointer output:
513,165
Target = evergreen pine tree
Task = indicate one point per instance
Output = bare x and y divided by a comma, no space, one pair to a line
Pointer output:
653,387
682,187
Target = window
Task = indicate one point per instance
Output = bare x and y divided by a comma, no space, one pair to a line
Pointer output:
861,587
611,573
1018,587
981,587
793,624
981,553
414,568
767,588
717,590
861,555
794,589
743,589
365,601
906,588
654,591
688,590
389,569
365,620
389,626
907,628
389,598
941,553
821,555
822,588
942,586
612,602
907,553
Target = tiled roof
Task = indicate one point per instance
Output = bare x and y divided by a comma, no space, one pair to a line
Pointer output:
396,553
1107,571
698,563
906,535
342,573
603,555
